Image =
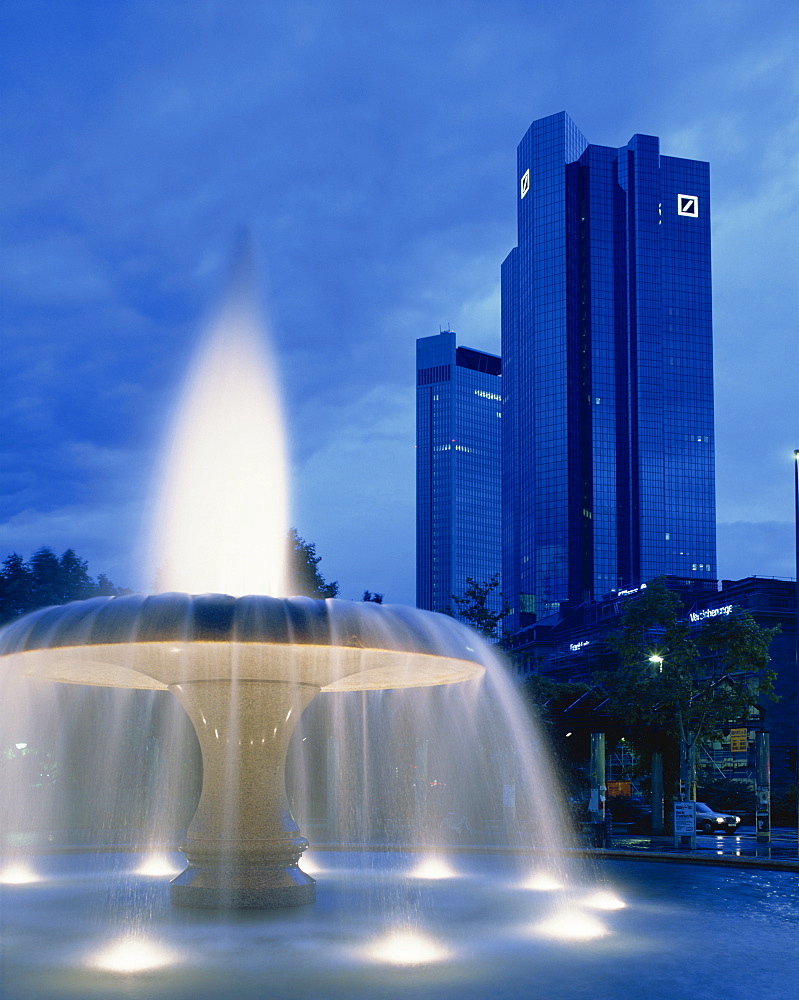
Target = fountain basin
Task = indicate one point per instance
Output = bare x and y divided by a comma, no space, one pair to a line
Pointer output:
137,641
477,934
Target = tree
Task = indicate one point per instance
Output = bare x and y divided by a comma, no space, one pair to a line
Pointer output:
473,607
73,577
304,576
685,684
374,598
15,588
569,712
44,580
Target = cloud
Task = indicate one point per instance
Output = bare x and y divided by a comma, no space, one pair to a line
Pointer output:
106,535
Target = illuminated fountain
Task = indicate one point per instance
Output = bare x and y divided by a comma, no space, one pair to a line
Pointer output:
244,668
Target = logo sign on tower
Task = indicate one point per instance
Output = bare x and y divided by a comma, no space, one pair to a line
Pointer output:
688,204
524,183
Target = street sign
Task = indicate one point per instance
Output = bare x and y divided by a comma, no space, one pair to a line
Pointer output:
738,740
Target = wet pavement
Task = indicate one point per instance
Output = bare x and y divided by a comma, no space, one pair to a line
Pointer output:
740,848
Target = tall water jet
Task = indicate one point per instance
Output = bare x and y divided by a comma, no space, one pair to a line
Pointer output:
221,511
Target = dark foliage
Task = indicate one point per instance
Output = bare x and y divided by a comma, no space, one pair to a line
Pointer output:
46,579
305,580
473,607
688,683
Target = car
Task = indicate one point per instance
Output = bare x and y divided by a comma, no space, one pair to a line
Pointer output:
710,821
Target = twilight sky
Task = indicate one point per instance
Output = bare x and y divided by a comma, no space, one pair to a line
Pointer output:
370,148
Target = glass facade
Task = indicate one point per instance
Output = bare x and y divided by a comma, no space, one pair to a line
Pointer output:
458,435
608,474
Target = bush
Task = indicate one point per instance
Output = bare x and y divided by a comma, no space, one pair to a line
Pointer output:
626,809
734,795
783,806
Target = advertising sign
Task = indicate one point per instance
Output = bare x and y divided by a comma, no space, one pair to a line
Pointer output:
684,819
738,740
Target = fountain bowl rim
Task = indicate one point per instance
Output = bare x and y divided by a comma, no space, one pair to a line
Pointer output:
139,619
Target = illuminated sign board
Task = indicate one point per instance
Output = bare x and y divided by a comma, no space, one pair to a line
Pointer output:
626,593
688,204
574,646
524,184
738,740
698,616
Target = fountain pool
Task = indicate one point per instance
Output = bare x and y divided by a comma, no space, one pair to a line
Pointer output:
97,927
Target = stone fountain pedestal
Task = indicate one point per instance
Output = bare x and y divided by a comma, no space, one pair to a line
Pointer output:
243,845
244,669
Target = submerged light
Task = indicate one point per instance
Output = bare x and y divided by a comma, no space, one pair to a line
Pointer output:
543,882
18,874
433,868
571,925
402,947
158,866
310,865
133,955
604,900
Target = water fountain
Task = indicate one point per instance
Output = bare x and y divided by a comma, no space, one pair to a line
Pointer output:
243,668
411,911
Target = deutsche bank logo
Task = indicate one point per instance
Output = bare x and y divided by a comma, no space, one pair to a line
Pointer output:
524,185
688,204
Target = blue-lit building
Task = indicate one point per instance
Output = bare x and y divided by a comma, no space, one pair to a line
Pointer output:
458,505
608,470
573,647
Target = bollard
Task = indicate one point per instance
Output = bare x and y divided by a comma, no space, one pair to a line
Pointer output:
596,804
763,790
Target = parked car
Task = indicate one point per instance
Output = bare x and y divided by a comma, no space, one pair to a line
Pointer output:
710,821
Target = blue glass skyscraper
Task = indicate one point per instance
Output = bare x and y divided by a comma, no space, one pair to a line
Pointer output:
458,505
608,470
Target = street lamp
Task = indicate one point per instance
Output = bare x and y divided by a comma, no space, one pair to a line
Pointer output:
656,771
685,811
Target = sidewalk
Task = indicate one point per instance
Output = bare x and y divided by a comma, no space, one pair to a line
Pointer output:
738,849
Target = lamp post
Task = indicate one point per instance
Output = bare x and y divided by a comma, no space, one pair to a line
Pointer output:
685,809
596,804
656,772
